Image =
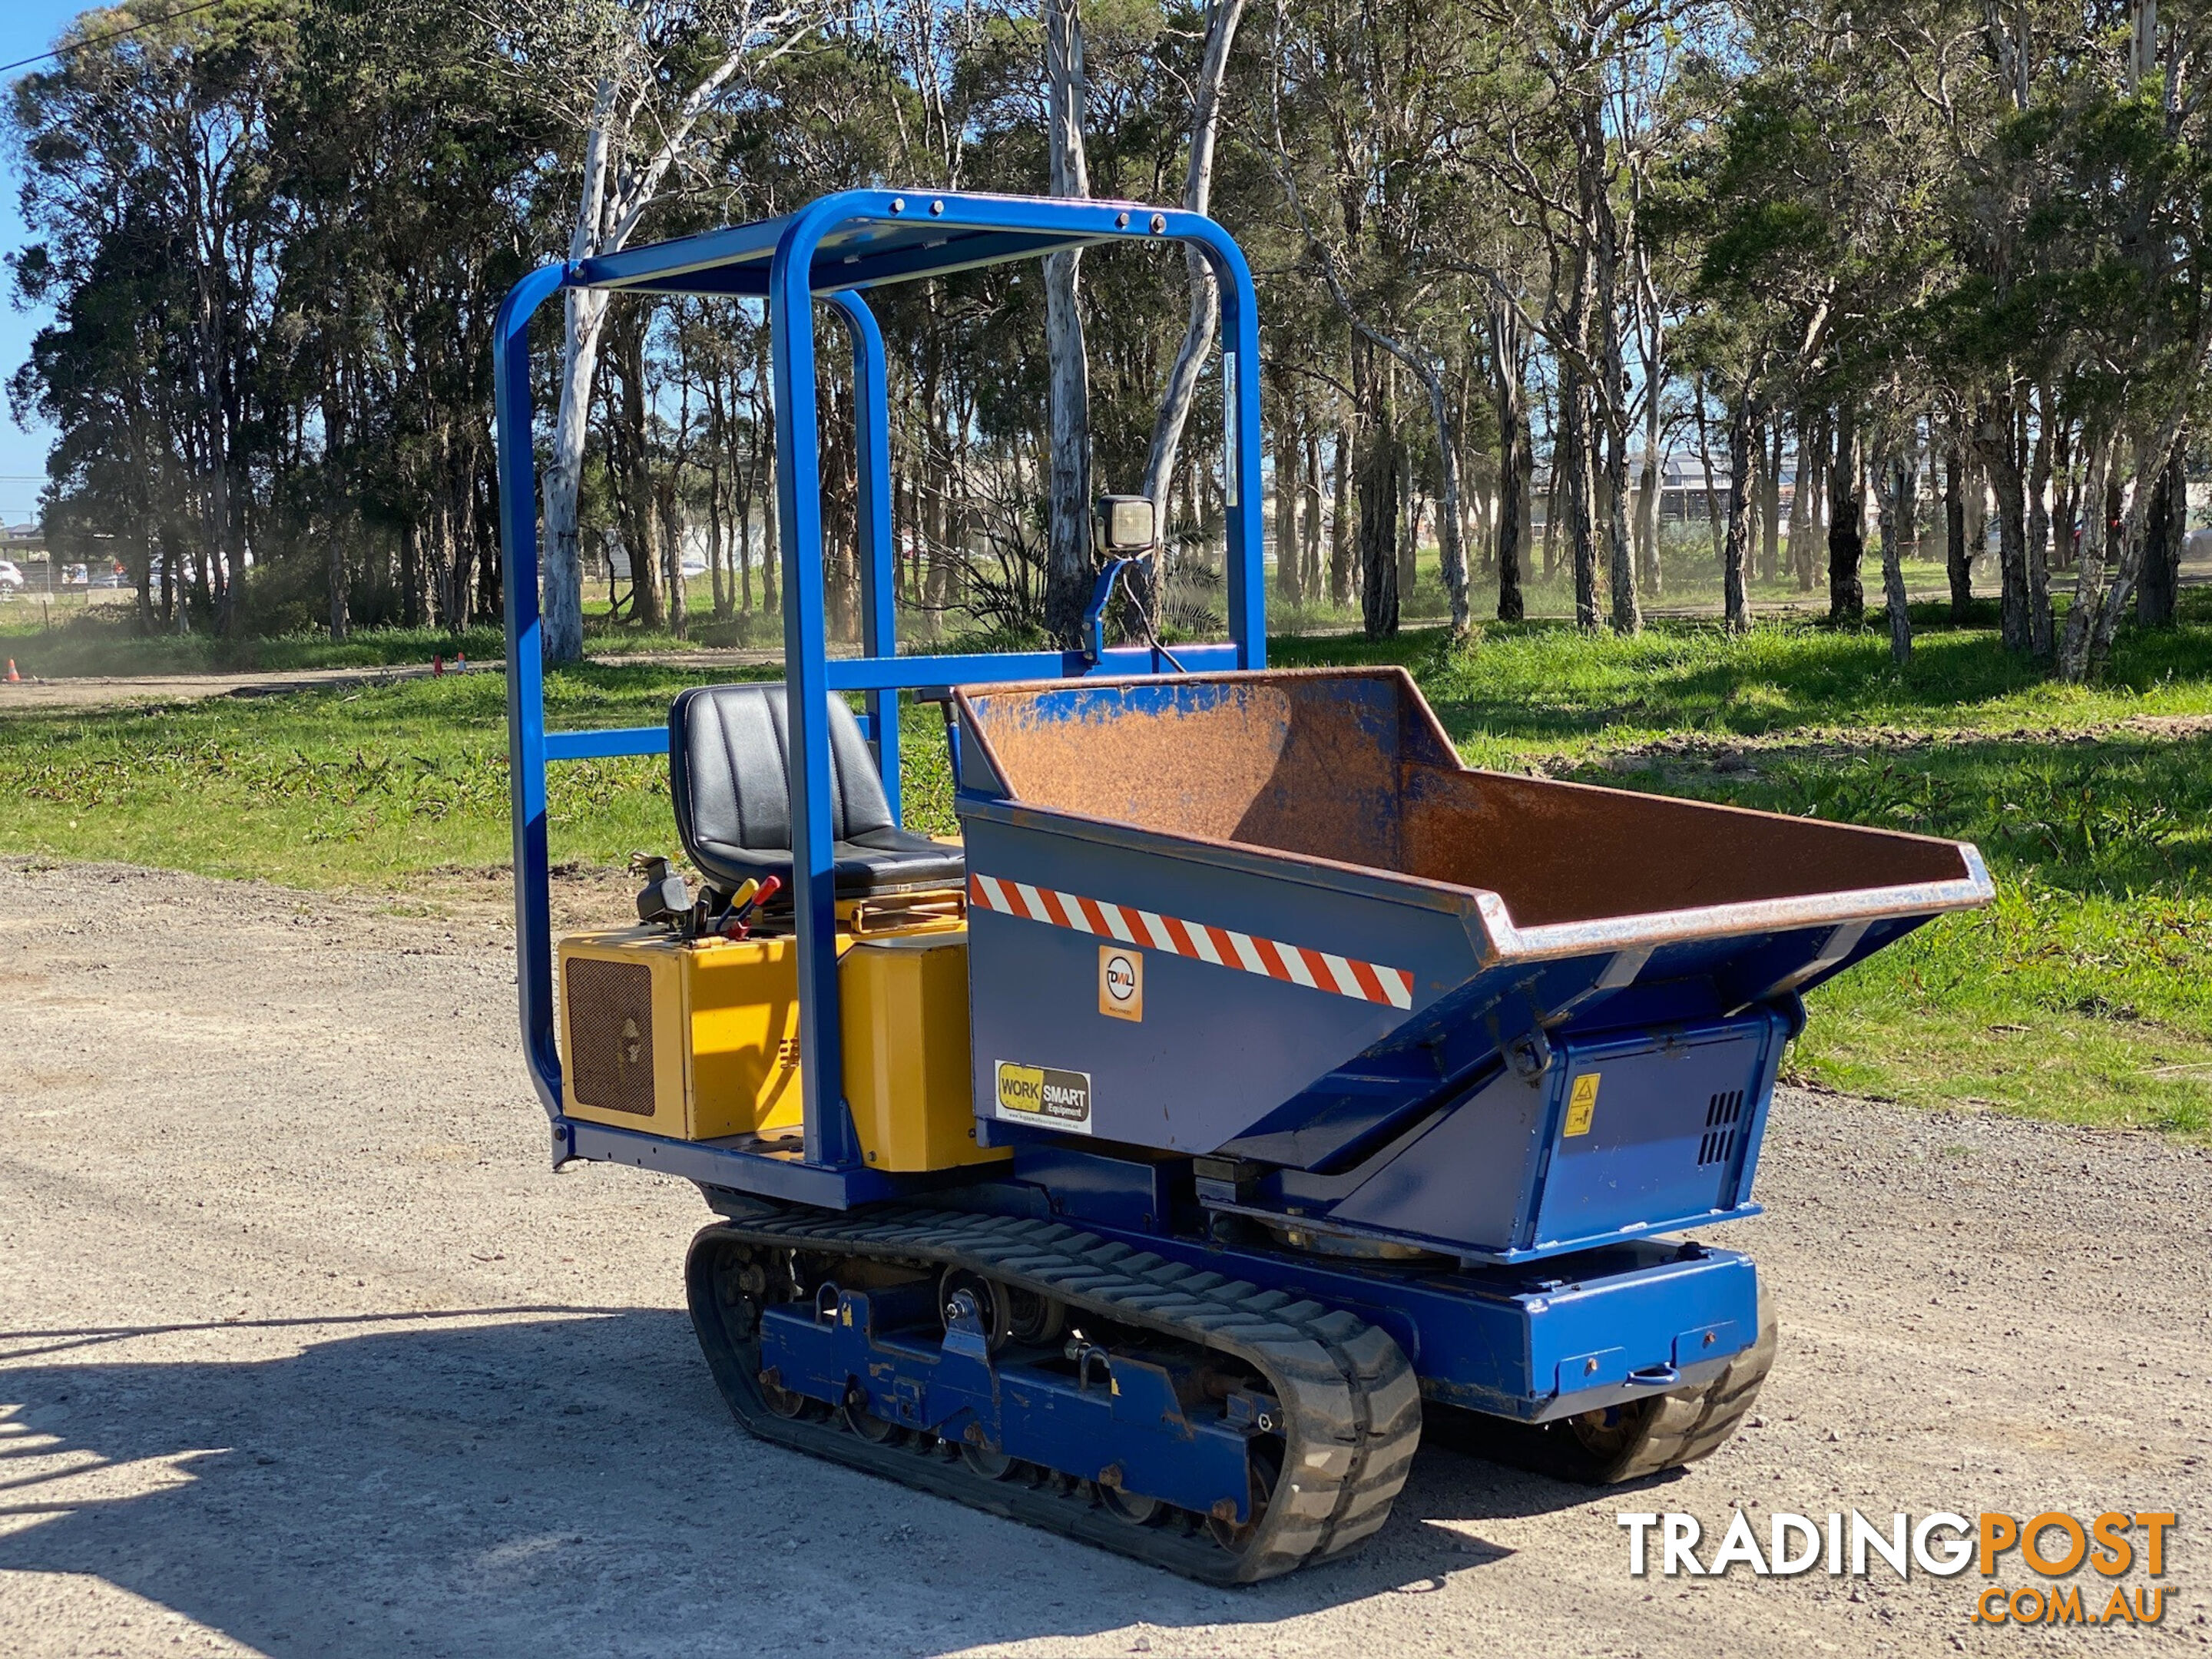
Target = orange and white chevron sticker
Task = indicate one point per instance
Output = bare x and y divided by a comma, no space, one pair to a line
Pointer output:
1294,964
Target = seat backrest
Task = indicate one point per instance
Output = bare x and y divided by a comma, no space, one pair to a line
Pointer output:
728,752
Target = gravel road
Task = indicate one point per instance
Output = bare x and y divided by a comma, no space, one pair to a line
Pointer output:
304,1351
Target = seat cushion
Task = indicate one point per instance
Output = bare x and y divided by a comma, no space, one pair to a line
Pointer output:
728,749
878,861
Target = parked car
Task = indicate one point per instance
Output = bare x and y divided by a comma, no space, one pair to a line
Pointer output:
11,580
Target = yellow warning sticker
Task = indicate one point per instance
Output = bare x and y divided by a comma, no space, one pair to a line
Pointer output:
1581,1104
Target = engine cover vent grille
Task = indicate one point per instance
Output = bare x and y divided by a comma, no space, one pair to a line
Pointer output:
1722,1113
609,1007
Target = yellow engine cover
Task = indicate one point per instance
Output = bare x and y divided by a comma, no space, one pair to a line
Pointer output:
700,1041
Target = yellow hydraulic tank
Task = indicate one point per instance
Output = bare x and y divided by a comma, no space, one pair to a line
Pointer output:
907,1075
700,1041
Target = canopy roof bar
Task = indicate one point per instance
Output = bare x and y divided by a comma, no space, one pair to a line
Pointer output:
902,239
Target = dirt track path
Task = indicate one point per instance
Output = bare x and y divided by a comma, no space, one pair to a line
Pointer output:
303,1350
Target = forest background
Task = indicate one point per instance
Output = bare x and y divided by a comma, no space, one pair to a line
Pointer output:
1927,278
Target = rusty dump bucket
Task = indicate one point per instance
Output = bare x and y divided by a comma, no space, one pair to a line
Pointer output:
1249,907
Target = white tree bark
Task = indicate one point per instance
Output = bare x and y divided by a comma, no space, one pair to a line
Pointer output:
1067,571
1222,18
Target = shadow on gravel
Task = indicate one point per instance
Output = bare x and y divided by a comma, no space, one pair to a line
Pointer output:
571,1485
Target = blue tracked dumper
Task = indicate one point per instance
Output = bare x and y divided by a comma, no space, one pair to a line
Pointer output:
1250,1083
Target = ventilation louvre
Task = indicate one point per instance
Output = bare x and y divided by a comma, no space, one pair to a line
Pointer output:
608,1005
1722,1114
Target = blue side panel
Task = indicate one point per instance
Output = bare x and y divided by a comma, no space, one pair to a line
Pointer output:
1668,1124
1226,1046
1622,1136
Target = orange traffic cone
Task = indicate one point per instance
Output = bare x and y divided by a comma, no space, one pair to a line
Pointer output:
13,678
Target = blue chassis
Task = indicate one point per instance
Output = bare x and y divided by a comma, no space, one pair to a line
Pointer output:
1576,1334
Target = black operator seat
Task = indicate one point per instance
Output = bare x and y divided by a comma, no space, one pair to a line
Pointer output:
728,746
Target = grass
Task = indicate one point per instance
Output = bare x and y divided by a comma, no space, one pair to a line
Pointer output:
2084,994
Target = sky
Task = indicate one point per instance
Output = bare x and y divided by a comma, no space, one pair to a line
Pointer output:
26,26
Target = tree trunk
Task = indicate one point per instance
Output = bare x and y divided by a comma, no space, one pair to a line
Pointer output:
1609,447
1409,508
583,313
1067,570
671,552
2154,457
2165,536
1310,570
1716,525
1378,498
1958,559
1627,614
1222,17
2036,550
1648,493
2097,527
1573,449
1736,542
1651,484
1846,523
1340,520
1508,358
1900,483
1451,514
771,526
1770,504
411,574
629,429
142,572
2066,516
1805,496
1996,438
1286,504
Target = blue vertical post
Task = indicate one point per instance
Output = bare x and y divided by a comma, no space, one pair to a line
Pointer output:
829,1137
1240,381
525,677
878,572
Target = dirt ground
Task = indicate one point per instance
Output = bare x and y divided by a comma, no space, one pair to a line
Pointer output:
304,1351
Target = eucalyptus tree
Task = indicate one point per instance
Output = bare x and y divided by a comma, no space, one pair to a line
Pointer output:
163,134
1355,123
638,80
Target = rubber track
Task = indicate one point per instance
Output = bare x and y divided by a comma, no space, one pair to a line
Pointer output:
1351,1406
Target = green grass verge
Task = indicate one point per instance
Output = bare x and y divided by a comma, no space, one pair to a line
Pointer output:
2085,994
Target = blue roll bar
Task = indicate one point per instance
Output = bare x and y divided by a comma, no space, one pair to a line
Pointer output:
831,249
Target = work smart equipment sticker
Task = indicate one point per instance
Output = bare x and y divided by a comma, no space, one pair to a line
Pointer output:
1045,1094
